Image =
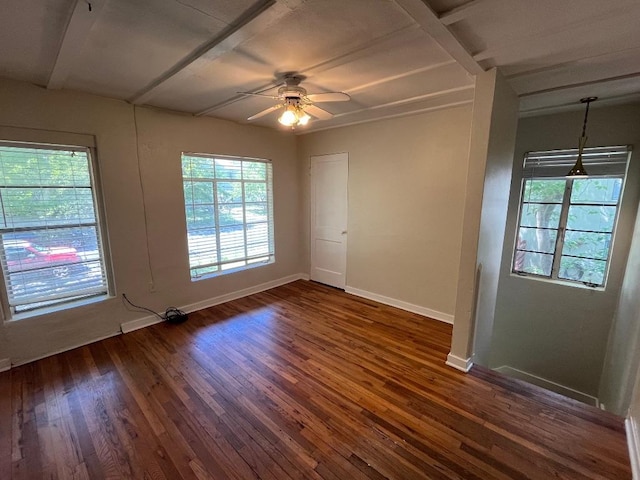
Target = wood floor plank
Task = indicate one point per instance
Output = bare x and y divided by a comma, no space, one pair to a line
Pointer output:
6,419
299,382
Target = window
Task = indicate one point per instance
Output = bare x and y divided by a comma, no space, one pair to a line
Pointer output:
51,251
566,225
229,212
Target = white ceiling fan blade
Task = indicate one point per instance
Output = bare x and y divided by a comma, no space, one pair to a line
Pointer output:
258,95
264,112
329,97
318,112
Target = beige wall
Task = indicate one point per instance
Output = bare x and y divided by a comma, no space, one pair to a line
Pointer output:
495,202
557,332
495,111
162,136
633,426
406,192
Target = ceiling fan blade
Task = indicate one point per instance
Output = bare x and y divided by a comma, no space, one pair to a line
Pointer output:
329,97
264,112
318,112
259,95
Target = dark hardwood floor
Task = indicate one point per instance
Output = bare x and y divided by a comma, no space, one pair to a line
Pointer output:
300,382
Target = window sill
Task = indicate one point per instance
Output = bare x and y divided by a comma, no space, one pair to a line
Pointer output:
57,308
563,283
233,270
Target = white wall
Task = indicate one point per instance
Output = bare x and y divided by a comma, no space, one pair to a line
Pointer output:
406,194
557,332
162,136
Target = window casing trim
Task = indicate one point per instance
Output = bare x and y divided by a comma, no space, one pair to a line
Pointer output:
597,168
28,138
559,242
250,261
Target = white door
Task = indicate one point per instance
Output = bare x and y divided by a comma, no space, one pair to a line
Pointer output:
329,174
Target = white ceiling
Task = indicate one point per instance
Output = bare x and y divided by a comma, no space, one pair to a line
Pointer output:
393,57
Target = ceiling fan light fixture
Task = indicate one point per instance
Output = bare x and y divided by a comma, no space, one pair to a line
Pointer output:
289,117
294,114
294,101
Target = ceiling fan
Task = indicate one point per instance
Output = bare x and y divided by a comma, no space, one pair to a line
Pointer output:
298,106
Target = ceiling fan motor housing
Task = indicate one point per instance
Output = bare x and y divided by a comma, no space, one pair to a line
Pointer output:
291,92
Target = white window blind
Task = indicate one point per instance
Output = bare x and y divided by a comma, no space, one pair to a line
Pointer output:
566,225
229,213
51,246
597,161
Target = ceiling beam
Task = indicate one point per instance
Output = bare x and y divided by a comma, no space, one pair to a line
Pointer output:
399,76
84,15
430,22
348,122
460,12
573,105
408,101
596,56
600,81
256,18
528,72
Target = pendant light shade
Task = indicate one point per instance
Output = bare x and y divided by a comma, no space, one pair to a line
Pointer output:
578,169
289,117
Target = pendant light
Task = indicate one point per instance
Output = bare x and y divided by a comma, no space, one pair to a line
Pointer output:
578,169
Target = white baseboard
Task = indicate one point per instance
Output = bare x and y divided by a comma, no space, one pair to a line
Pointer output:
548,384
459,363
633,443
132,325
242,293
409,307
139,323
5,364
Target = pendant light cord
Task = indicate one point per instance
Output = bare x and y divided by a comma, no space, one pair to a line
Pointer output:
586,115
588,101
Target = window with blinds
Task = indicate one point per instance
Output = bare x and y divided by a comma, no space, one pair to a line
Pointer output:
51,250
567,225
229,213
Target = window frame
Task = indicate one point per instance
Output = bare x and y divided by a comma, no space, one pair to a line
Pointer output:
550,172
24,138
249,261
